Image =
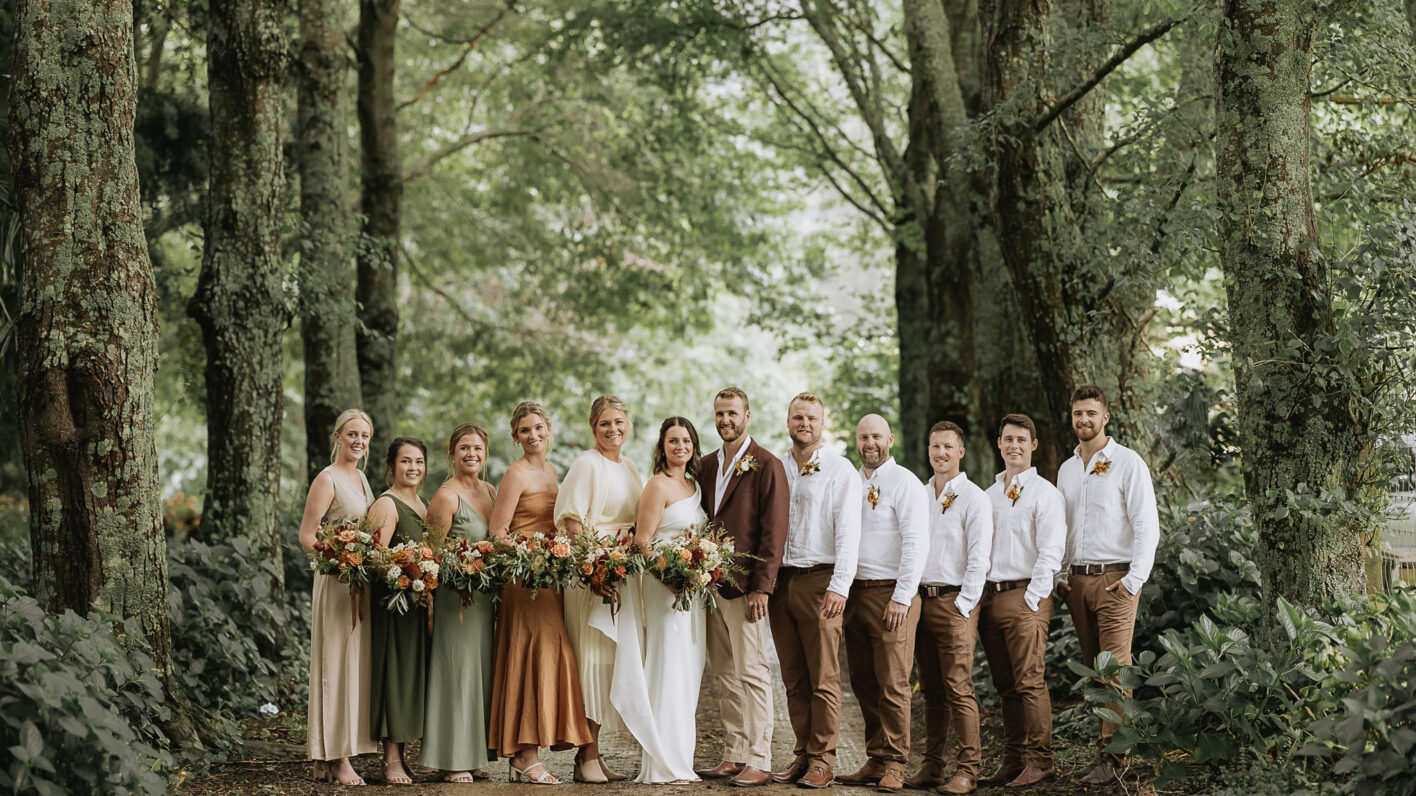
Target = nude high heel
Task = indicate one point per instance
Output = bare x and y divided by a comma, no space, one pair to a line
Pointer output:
590,771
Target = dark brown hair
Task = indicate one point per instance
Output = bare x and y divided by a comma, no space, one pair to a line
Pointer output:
1085,392
947,425
1022,421
392,456
661,462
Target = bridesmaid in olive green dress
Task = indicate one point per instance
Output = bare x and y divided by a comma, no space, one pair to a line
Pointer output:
400,643
460,662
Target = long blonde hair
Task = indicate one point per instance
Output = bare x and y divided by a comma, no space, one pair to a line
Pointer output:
345,417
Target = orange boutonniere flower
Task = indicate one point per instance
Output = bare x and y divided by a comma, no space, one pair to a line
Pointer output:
1015,492
873,495
810,467
745,465
946,501
1101,467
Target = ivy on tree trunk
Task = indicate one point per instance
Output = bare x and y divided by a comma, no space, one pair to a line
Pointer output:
87,325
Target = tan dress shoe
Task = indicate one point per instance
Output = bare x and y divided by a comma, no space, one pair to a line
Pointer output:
793,772
959,784
1031,776
928,776
818,776
725,769
893,780
751,777
1103,773
868,774
1006,772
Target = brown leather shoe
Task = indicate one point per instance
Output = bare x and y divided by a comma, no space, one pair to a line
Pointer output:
893,780
868,774
1006,772
1103,773
959,784
794,771
751,777
1082,773
1031,776
818,776
928,776
725,769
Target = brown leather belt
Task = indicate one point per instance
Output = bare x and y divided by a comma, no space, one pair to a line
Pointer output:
1100,569
871,584
785,571
937,591
996,586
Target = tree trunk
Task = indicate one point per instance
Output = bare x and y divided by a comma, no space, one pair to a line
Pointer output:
240,303
88,325
1296,427
381,195
327,312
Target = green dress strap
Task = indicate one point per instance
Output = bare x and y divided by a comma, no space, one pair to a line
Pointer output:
409,526
466,522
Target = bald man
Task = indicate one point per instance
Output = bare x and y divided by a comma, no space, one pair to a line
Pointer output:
883,608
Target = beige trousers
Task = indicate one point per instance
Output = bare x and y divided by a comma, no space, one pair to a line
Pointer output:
737,654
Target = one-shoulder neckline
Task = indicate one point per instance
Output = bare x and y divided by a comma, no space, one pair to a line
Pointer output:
696,492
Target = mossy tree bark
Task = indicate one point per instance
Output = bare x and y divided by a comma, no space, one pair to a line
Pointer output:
380,201
327,313
240,302
1298,423
87,325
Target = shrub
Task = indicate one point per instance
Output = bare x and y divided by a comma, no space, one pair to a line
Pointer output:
78,712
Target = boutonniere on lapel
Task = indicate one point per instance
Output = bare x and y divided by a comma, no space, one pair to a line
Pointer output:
947,501
745,465
1101,467
873,495
1014,492
810,467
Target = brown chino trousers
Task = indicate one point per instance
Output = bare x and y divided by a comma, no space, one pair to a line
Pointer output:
944,650
808,649
1105,620
880,662
1014,639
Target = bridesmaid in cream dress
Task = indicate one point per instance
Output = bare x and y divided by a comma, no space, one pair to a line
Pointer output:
599,496
337,724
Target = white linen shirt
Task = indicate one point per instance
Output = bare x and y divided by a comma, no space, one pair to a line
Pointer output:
1029,534
1111,516
824,525
894,532
721,485
960,540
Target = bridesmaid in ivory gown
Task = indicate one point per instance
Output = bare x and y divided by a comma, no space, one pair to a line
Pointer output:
536,698
658,701
399,641
337,724
460,660
599,496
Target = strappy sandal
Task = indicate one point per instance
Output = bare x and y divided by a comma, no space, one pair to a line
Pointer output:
530,775
458,776
396,779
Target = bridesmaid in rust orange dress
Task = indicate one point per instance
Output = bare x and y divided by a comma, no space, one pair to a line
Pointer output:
536,697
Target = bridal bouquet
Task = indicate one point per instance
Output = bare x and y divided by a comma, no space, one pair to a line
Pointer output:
342,549
602,566
411,574
692,565
538,561
470,567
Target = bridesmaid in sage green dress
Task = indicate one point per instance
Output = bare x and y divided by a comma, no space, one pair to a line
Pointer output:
400,642
460,662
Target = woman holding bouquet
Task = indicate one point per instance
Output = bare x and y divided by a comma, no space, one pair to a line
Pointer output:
460,661
400,641
337,723
599,496
675,642
536,699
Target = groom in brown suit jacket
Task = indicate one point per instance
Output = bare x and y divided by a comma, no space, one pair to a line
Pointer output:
745,490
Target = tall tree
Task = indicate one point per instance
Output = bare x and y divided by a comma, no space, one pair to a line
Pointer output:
381,198
327,314
87,323
1300,425
240,302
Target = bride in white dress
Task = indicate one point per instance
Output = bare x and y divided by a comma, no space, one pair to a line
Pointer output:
658,701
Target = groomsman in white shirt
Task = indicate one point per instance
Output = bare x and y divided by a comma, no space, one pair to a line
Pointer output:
818,565
883,608
1029,540
1112,531
960,541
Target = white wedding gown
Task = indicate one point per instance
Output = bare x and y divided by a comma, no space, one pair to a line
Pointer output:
658,698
